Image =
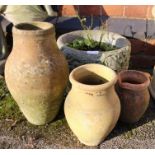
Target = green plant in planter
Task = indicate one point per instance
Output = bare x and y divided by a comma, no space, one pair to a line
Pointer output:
88,43
85,44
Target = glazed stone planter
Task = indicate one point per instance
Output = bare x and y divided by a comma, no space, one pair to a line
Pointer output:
152,85
116,59
92,107
132,88
34,75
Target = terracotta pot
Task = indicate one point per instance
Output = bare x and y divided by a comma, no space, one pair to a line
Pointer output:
36,71
92,107
116,59
152,85
132,88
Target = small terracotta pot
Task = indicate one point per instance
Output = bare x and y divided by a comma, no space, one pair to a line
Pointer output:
92,107
152,85
132,88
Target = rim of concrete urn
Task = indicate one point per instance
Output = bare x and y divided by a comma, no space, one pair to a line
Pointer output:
62,41
33,28
98,69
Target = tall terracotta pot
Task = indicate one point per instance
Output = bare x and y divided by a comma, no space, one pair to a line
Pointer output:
36,72
132,88
152,85
92,107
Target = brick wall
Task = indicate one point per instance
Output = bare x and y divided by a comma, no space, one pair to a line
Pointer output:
135,22
132,11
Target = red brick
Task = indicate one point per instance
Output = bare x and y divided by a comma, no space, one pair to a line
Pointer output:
149,12
139,11
113,10
87,10
68,10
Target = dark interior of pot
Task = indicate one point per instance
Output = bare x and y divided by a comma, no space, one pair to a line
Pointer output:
28,27
89,77
33,26
92,79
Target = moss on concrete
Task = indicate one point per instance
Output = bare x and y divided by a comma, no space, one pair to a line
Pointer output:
8,107
130,134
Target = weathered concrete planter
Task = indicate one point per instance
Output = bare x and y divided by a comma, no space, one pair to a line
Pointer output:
134,95
36,72
92,107
152,85
116,59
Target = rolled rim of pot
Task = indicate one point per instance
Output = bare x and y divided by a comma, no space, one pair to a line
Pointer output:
109,37
96,70
133,80
33,28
